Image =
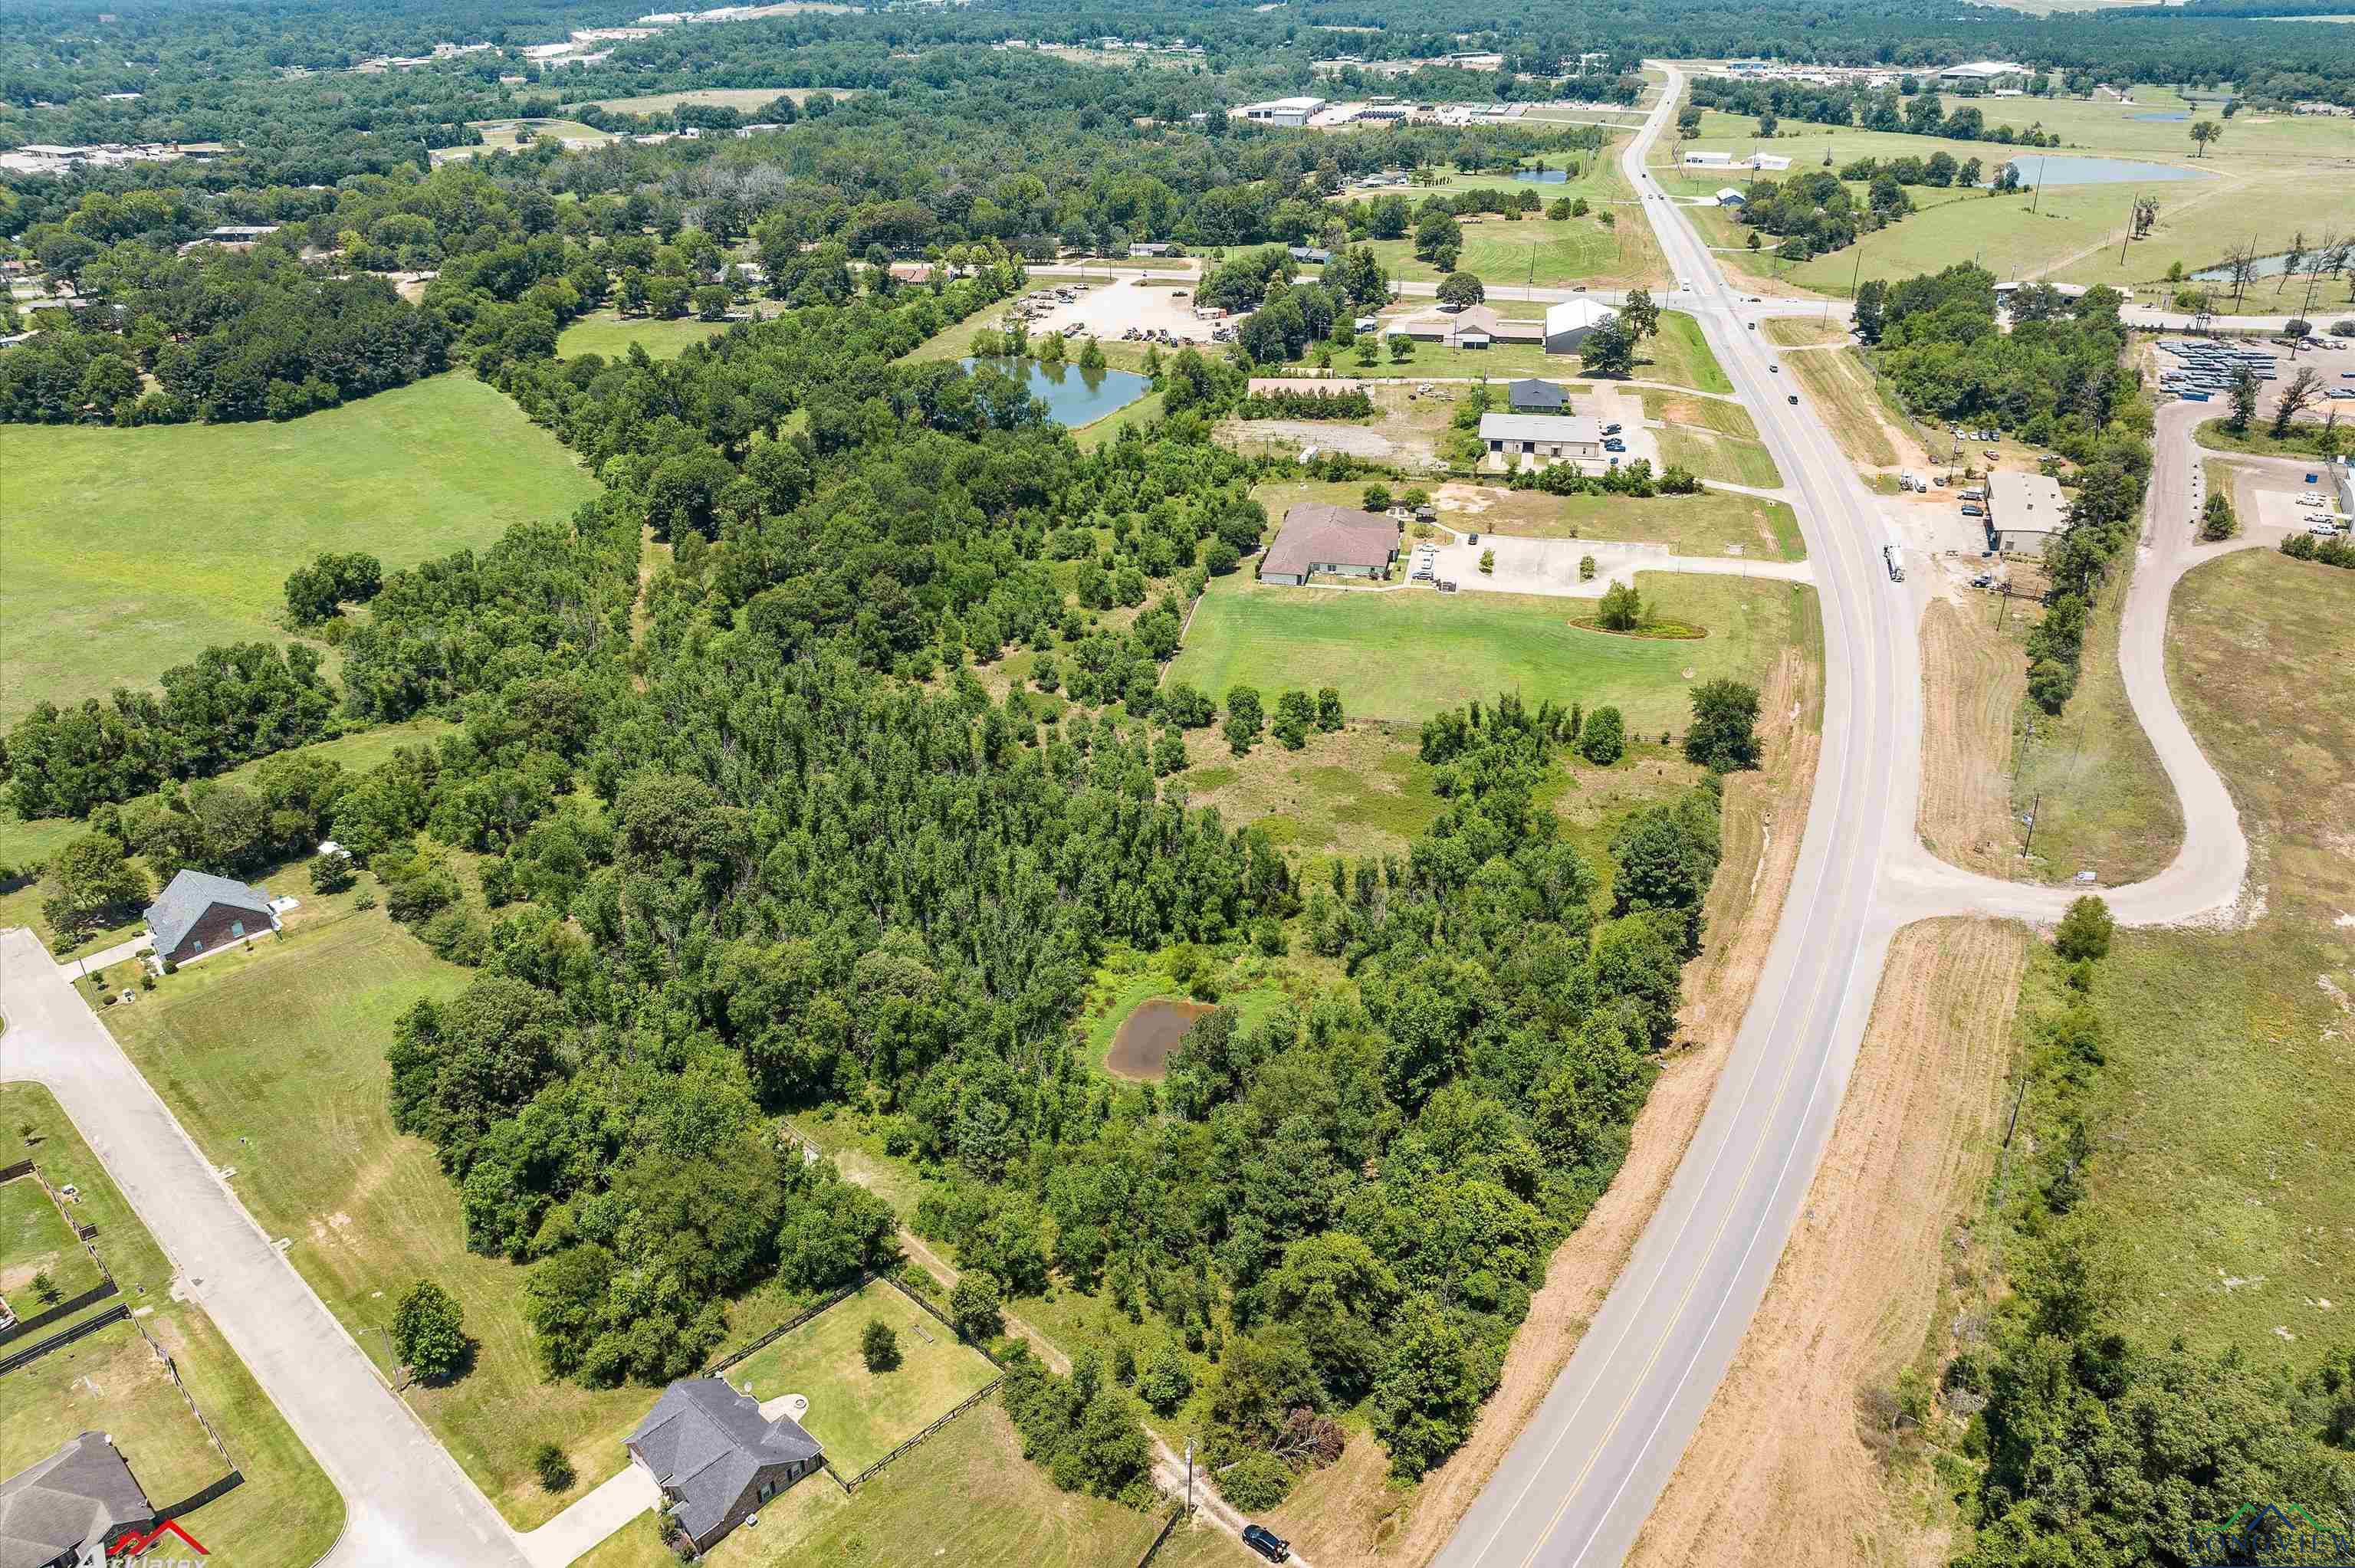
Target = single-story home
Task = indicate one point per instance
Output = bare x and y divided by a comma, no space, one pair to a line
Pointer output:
1728,196
1573,322
715,1457
199,913
1452,328
1544,437
1339,541
1147,249
2024,511
68,1509
1532,395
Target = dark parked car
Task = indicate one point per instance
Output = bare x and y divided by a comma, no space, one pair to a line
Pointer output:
1610,429
1267,1544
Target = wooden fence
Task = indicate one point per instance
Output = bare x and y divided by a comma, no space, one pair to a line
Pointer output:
23,1327
115,1314
967,1403
788,1326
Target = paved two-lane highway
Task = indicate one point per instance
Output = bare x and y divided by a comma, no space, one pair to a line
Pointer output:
1575,1489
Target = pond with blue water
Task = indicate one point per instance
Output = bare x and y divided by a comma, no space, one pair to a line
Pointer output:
2066,169
1542,176
1073,396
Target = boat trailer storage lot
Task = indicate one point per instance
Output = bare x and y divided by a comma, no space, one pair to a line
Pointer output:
1162,303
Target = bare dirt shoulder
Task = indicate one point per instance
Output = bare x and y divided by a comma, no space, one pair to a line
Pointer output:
1350,1514
1787,1446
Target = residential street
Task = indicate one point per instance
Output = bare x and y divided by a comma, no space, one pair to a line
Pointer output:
407,1503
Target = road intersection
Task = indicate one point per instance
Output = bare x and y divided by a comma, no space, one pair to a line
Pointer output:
1576,1487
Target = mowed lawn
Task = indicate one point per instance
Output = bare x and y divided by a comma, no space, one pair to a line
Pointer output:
859,1415
610,335
287,1514
2219,1179
1404,656
967,1499
128,551
274,1063
35,1241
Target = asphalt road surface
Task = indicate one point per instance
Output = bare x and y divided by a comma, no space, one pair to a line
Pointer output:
1576,1487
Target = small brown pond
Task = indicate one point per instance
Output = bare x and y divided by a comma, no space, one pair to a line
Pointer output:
1141,1049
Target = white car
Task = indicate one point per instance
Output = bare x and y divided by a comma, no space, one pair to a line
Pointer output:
2309,499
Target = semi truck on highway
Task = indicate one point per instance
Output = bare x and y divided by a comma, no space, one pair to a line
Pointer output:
1896,568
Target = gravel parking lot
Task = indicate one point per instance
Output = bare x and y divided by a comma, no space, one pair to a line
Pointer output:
1108,310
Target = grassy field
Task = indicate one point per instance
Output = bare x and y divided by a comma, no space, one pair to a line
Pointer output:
1361,790
300,1110
2303,440
34,1240
1678,354
202,522
859,1415
287,1514
1726,419
2101,801
2269,178
967,1498
1799,332
507,136
1712,523
1405,656
610,335
1842,387
1542,251
1719,457
2227,1050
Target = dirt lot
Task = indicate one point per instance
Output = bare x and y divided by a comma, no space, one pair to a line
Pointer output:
1972,680
1350,1517
1784,1470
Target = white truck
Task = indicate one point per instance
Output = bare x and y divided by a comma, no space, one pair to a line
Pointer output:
1896,568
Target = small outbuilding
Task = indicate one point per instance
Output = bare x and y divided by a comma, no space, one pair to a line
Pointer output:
715,1457
199,913
1338,541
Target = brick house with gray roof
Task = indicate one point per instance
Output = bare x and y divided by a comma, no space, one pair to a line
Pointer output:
716,1458
69,1508
199,913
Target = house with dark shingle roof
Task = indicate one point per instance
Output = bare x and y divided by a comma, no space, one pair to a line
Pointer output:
200,913
715,1457
1339,541
70,1507
1532,395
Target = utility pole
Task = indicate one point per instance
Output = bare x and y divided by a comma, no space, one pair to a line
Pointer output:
2035,806
1189,1470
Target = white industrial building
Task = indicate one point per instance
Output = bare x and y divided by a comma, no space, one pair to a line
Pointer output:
1984,71
1290,112
1573,322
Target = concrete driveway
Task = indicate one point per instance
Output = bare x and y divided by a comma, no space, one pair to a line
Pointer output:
612,1504
406,1503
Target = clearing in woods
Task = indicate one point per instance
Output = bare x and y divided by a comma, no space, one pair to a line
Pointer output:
1782,1447
1405,655
859,1415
